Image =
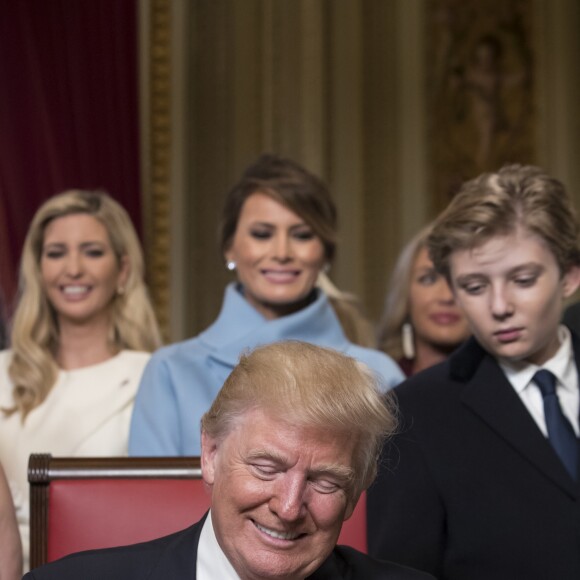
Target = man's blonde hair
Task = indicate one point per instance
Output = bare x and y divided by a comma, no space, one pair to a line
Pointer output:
308,386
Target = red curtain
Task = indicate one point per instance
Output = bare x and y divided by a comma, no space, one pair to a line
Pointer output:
68,110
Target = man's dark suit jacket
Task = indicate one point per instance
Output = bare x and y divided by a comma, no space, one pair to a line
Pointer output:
174,557
571,318
470,488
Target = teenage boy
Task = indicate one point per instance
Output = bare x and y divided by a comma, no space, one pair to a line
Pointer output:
482,480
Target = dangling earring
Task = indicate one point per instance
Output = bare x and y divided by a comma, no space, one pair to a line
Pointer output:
326,267
231,265
408,341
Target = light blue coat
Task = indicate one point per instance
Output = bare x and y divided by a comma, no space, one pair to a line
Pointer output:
181,381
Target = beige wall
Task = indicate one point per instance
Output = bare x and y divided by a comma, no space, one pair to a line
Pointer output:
337,85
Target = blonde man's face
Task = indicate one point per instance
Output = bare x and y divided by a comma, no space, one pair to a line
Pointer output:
280,494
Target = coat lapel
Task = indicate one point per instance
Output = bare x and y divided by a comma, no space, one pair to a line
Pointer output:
179,559
333,568
576,349
489,395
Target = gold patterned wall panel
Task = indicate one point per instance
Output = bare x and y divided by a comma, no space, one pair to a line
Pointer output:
481,88
156,156
558,89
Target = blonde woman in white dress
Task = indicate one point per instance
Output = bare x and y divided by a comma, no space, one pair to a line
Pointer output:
82,333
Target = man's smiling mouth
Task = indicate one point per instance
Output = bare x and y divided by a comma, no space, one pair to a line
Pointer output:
277,535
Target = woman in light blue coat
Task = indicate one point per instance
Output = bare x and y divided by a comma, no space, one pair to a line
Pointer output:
277,233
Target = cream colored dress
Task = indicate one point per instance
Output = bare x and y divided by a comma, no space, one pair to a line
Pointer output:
87,413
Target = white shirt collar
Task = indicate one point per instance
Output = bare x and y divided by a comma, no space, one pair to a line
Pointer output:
212,563
562,364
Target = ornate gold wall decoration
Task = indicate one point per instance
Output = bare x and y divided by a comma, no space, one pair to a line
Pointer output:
480,83
158,157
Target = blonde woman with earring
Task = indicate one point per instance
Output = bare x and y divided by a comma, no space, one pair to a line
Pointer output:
82,333
421,323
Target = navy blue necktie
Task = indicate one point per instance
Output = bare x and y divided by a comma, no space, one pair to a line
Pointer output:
560,432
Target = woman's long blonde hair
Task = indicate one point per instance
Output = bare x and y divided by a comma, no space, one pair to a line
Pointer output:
35,334
396,309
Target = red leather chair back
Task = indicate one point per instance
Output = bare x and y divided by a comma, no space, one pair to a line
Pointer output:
354,530
99,513
85,503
